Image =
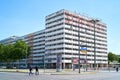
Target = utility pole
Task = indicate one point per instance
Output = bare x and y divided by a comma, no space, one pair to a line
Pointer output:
79,47
72,65
86,47
44,62
94,21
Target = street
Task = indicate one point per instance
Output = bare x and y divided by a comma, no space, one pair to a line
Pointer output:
103,75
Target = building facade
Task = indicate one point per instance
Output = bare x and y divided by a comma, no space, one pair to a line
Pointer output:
62,38
36,41
59,44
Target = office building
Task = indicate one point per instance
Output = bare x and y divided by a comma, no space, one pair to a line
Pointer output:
58,44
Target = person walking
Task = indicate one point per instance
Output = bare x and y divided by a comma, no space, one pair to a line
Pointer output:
30,70
117,69
36,70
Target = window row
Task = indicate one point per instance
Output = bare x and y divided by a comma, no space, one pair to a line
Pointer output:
53,35
54,16
54,30
57,39
57,20
92,30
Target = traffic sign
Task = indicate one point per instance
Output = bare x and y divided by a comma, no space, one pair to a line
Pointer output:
83,50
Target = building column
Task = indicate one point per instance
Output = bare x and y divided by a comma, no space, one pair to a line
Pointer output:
91,66
64,65
97,66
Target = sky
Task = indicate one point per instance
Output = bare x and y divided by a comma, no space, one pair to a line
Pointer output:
20,17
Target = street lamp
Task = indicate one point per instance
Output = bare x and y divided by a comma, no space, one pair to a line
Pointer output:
72,48
91,55
86,47
58,63
79,47
94,21
44,62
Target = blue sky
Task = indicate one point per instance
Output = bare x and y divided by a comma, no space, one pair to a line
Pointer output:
20,17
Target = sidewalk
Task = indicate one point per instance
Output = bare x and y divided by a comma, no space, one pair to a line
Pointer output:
74,73
51,71
67,72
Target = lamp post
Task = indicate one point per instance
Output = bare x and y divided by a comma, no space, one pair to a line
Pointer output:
44,62
91,55
79,47
94,21
59,63
86,47
72,65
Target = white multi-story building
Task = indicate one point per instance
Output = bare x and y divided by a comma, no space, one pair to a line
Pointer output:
62,38
36,41
59,42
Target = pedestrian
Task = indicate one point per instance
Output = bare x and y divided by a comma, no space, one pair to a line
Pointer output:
73,67
30,70
117,69
36,70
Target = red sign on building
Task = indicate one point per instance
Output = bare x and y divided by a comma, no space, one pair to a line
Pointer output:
75,61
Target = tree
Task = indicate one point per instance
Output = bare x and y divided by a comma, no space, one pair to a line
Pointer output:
7,54
112,57
21,50
116,57
119,60
14,52
1,52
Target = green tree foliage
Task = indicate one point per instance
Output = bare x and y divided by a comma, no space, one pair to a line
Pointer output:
7,55
119,60
14,52
21,50
1,52
112,57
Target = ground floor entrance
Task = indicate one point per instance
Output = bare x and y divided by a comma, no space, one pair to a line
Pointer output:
70,66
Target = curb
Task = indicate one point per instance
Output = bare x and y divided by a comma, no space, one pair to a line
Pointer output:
83,73
55,73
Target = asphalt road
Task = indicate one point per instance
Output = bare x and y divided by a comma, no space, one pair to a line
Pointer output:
103,75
